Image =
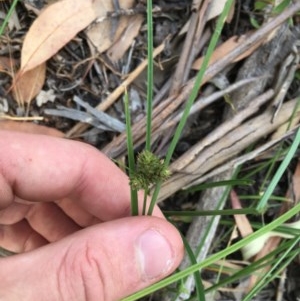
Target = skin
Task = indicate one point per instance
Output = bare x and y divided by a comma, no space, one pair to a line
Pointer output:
65,208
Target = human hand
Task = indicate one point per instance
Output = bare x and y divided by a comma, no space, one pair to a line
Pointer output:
66,209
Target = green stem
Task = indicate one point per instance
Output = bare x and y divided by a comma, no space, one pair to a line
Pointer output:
198,282
145,201
282,168
215,257
193,96
131,164
9,13
154,198
149,74
198,82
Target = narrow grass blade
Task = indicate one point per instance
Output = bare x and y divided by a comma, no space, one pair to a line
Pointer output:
131,164
211,212
215,257
193,96
198,281
282,168
149,73
238,182
269,259
9,13
285,259
199,78
154,198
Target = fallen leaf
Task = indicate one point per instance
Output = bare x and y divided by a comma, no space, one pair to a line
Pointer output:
30,127
103,34
285,127
29,84
273,242
226,48
296,183
216,8
117,50
7,64
56,26
241,220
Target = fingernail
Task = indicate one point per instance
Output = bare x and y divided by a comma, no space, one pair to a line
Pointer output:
154,254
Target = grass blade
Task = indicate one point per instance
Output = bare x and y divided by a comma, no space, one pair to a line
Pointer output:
198,282
131,164
11,9
215,257
268,277
199,78
211,212
193,96
149,74
282,168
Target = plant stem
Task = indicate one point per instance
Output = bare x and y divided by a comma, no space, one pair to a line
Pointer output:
282,168
193,96
145,201
215,257
131,164
149,74
11,9
199,78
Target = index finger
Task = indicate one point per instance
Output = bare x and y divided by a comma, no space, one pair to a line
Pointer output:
41,168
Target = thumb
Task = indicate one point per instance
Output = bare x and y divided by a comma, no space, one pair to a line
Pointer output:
104,262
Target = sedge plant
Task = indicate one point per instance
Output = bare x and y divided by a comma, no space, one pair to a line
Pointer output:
150,172
156,171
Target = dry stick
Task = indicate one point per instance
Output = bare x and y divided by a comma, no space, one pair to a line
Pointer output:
112,98
200,104
203,229
197,22
118,146
221,131
199,40
190,49
231,165
226,148
203,102
254,38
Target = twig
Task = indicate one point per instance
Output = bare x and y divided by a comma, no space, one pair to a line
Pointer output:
103,106
226,148
194,33
166,108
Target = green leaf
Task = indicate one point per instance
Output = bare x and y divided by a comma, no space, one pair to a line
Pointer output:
254,23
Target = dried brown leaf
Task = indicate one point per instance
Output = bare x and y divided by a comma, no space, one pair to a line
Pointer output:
273,242
117,50
56,26
226,48
217,7
7,64
281,130
241,220
103,34
296,183
28,85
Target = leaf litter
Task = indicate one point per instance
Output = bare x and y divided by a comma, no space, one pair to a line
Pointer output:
88,56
